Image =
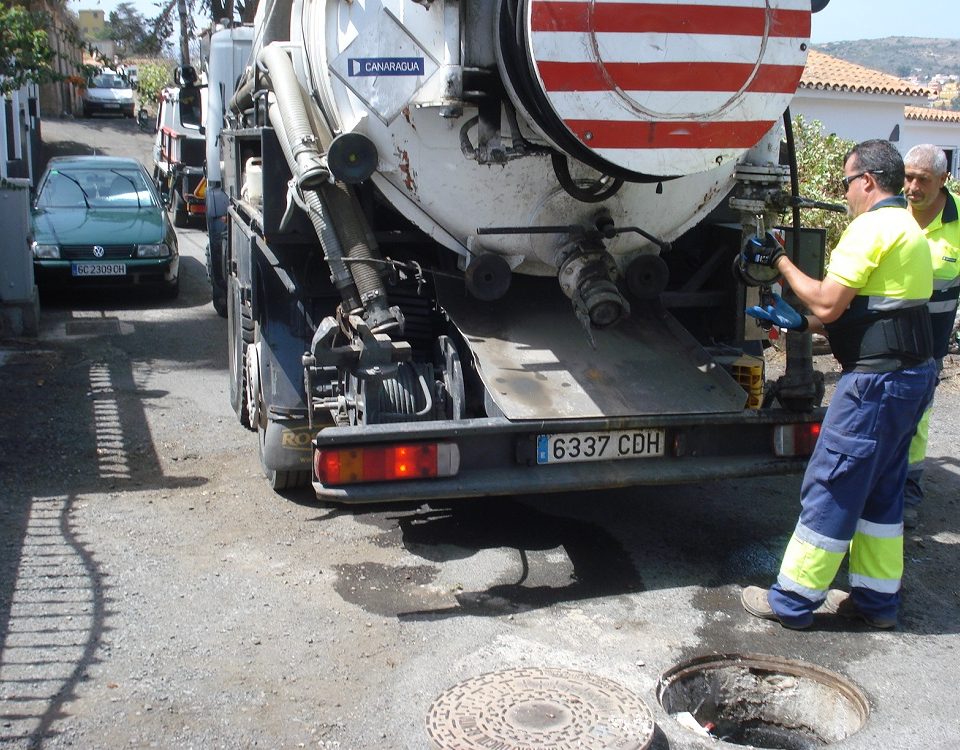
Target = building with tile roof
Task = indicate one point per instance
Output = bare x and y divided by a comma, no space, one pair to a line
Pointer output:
859,103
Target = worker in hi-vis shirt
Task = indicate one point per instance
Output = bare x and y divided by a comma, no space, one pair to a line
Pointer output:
872,304
935,209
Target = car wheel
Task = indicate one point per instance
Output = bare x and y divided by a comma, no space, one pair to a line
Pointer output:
172,290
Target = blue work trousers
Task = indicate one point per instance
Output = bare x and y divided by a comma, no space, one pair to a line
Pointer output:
855,478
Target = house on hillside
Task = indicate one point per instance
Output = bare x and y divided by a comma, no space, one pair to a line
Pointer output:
858,103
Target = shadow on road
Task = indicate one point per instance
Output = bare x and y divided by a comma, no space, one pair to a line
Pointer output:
73,422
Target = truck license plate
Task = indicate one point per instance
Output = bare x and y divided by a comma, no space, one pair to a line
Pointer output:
98,269
600,446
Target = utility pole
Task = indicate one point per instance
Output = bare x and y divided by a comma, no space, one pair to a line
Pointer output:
184,33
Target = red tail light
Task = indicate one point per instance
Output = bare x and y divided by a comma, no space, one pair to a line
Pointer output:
794,440
385,463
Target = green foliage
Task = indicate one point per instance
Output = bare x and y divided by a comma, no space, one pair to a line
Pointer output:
152,78
27,56
820,167
134,34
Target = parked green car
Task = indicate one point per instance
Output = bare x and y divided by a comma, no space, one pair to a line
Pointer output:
98,221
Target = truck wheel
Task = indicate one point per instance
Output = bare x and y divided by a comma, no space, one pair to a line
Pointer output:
218,294
240,333
178,206
280,480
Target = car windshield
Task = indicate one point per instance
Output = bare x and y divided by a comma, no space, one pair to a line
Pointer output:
109,81
95,188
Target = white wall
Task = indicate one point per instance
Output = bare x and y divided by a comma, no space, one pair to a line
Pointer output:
856,117
943,134
859,117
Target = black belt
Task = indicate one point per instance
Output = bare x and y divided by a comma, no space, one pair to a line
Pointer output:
883,342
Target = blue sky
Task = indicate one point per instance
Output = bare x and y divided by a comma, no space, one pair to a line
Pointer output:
841,20
845,20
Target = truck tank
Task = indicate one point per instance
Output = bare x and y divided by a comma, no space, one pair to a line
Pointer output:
488,231
538,113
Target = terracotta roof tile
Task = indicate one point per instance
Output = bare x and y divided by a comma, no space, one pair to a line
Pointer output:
930,114
824,72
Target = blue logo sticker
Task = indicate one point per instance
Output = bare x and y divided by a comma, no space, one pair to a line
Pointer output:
386,66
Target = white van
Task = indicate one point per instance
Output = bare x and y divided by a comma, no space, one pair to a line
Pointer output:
108,92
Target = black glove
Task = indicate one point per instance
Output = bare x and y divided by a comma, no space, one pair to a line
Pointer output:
763,251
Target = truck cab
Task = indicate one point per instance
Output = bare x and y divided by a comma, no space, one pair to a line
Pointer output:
227,59
179,147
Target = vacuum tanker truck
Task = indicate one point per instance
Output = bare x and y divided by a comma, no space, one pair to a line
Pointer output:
489,247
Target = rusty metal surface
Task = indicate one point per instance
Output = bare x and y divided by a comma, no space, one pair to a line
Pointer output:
535,359
539,707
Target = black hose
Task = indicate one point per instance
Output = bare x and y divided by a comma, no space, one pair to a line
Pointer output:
794,181
597,194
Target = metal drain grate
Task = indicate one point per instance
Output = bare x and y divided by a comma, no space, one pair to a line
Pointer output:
539,707
92,327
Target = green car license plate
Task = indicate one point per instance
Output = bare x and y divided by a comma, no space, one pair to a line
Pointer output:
98,269
600,446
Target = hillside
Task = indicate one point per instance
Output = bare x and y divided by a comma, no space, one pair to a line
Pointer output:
902,56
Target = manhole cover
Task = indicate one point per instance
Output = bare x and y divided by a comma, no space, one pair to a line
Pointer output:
533,708
92,327
763,701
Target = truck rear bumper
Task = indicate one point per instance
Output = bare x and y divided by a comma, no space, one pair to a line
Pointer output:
499,457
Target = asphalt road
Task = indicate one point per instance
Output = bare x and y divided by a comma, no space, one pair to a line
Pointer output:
155,593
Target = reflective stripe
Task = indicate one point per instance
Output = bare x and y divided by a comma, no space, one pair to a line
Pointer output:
829,544
918,444
944,306
814,595
806,567
879,530
940,284
877,559
881,586
880,304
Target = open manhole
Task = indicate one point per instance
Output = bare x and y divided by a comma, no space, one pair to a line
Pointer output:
763,701
539,707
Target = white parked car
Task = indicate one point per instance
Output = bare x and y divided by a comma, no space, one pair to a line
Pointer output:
108,92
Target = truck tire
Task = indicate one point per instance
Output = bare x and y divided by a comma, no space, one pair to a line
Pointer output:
178,207
281,480
240,333
218,295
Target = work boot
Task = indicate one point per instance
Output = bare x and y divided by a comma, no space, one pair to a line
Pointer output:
841,603
754,600
911,517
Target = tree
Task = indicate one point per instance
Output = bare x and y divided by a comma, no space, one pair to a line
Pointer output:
819,167
152,78
27,54
136,35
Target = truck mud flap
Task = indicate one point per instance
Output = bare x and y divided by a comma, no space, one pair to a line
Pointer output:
536,360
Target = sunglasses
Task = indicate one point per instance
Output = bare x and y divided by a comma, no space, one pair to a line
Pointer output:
847,180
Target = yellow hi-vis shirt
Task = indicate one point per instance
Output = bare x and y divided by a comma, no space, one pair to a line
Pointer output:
943,236
884,255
